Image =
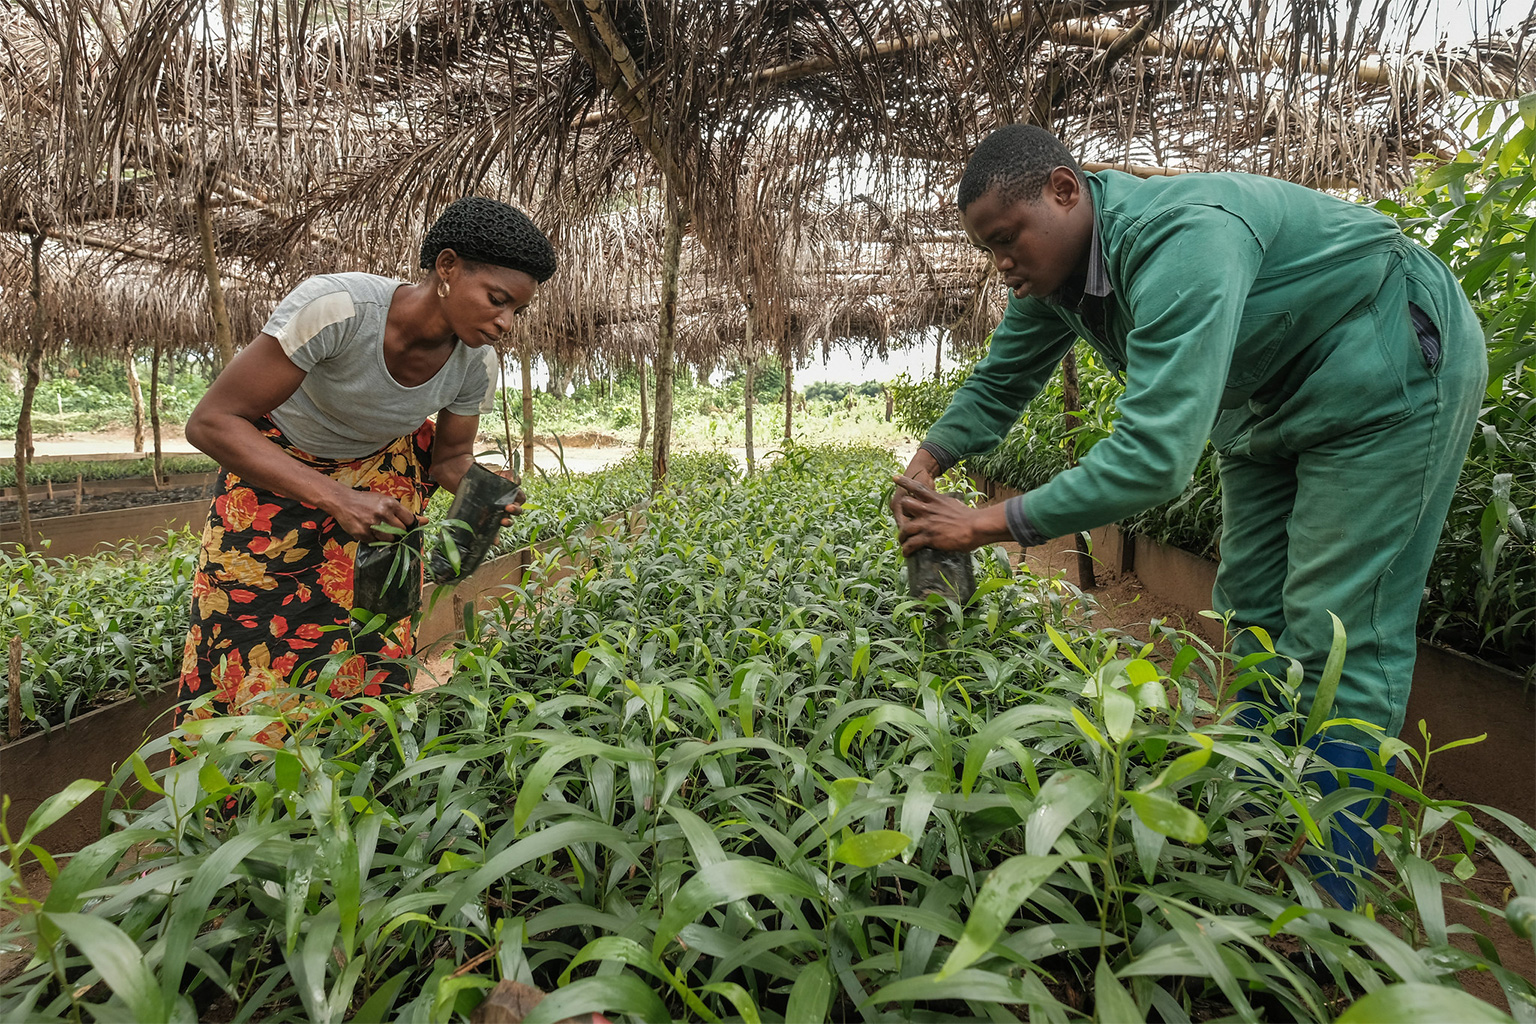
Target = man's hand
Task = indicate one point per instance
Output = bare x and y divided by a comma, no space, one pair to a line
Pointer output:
927,519
922,469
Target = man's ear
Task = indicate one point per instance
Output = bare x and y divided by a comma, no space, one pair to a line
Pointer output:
1063,187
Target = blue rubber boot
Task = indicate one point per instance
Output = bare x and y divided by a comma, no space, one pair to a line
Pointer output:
1354,847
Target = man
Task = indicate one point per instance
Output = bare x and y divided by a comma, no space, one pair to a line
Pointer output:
1335,365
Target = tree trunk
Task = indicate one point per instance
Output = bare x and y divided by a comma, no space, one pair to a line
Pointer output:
789,398
666,344
154,410
137,394
645,407
1071,402
527,411
34,375
223,336
938,355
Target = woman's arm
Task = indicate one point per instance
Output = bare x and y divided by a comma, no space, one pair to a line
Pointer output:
255,382
453,451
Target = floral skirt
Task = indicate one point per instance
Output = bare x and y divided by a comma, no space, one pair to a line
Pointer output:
272,597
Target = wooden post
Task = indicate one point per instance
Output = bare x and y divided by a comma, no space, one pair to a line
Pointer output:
34,374
749,398
14,704
528,411
789,397
1071,404
79,491
748,393
137,394
645,407
666,343
506,415
223,336
154,412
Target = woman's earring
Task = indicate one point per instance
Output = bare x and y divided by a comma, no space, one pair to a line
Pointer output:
442,289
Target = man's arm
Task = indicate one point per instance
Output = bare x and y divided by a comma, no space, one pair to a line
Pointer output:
1025,348
1187,275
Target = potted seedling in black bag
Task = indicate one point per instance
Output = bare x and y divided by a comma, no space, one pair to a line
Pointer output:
386,575
474,520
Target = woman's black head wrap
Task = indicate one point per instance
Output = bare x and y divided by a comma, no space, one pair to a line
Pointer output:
488,231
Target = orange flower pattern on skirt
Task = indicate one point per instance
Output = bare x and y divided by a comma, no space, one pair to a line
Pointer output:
274,583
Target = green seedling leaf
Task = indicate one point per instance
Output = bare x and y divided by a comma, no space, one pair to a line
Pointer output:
1111,1002
142,773
1184,765
1328,685
739,998
970,985
1421,1003
1163,815
1119,714
1065,796
611,993
725,883
1090,730
1065,648
560,753
55,807
870,849
120,962
1521,915
811,996
1007,887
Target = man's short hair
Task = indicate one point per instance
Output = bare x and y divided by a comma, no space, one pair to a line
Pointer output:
1016,160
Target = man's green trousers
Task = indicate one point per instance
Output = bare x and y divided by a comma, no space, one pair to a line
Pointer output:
1335,500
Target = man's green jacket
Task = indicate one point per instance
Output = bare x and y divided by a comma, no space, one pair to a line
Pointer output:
1261,312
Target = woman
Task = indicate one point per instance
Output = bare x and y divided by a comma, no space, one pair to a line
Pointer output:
321,429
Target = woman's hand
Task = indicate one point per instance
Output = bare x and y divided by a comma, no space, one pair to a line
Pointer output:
927,519
358,512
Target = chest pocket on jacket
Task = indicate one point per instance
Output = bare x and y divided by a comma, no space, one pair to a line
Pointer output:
1259,336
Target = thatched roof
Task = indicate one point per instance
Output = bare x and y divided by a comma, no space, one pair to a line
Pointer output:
815,143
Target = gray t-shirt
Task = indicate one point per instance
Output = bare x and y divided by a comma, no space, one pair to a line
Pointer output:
348,406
